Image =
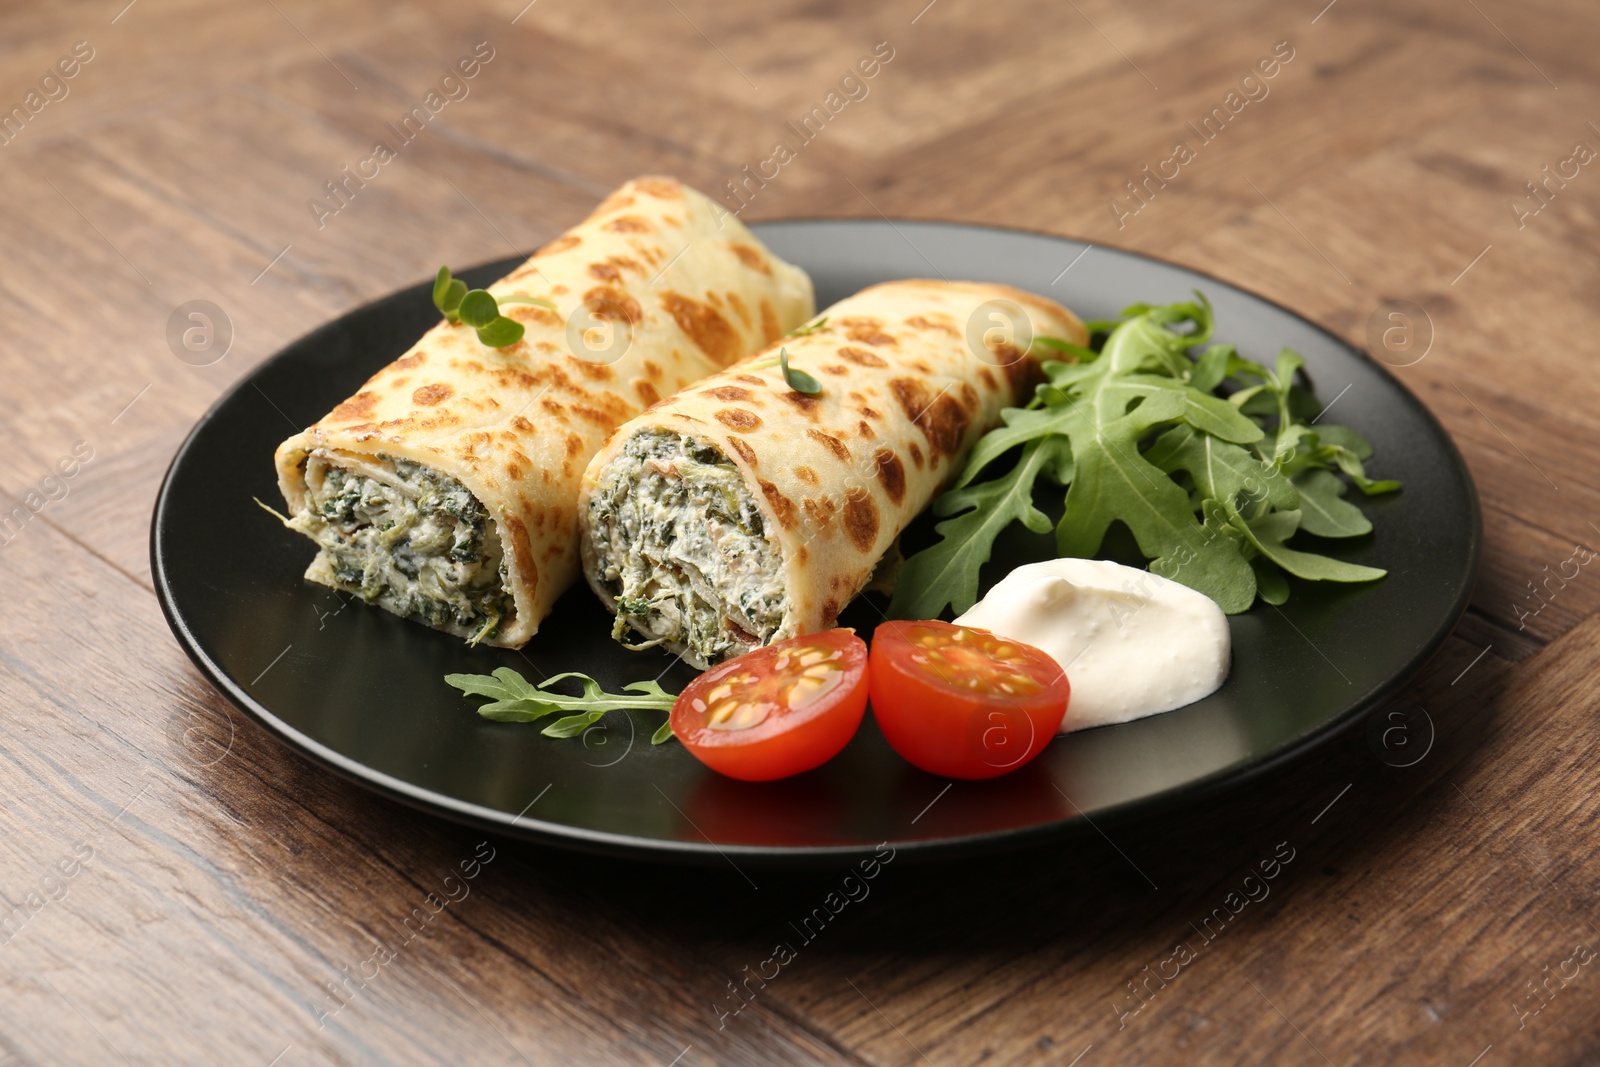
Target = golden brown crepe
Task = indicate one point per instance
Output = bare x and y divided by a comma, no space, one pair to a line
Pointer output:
445,490
740,512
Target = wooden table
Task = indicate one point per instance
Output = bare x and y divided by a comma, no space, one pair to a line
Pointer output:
192,892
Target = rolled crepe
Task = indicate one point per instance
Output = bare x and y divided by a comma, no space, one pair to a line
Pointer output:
739,511
445,490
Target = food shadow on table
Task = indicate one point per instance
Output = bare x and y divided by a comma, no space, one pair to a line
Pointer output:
1315,816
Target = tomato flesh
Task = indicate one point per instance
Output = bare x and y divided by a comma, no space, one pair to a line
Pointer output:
777,711
961,702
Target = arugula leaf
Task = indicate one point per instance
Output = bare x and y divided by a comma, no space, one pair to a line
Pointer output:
1268,535
1270,582
947,572
1207,458
517,701
1021,426
1323,509
1221,470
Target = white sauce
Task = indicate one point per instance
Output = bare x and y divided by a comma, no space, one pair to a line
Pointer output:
1132,643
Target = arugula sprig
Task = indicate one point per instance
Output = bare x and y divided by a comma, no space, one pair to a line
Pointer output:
793,377
1209,459
479,309
809,328
517,701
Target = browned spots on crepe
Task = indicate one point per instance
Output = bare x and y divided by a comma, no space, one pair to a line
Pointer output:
865,429
751,378
706,327
986,376
770,328
891,474
861,357
916,455
751,258
597,371
830,613
729,393
867,331
860,518
629,224
740,308
574,444
921,367
604,302
969,398
647,393
1005,353
605,272
415,359
1023,375
652,371
615,202
782,506
805,403
942,323
554,407
739,419
801,555
660,188
941,419
520,423
359,406
746,453
428,395
821,512
599,418
513,472
806,474
560,244
831,443
836,369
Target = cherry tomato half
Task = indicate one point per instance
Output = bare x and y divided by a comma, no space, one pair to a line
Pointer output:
962,703
776,711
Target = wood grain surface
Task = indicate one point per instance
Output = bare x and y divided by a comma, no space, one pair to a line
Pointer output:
194,893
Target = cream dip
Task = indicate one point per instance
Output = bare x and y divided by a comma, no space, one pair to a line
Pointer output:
1132,643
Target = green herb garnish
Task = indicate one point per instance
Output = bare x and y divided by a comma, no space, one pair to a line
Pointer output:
1210,461
798,380
809,328
479,309
517,701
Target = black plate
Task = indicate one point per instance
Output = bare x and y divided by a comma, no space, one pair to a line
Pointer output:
362,691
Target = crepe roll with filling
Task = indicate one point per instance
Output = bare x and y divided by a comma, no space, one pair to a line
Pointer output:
445,490
742,511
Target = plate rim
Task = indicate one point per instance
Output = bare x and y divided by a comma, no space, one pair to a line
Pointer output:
632,847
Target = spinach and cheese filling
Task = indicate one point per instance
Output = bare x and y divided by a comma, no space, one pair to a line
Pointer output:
680,543
407,538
